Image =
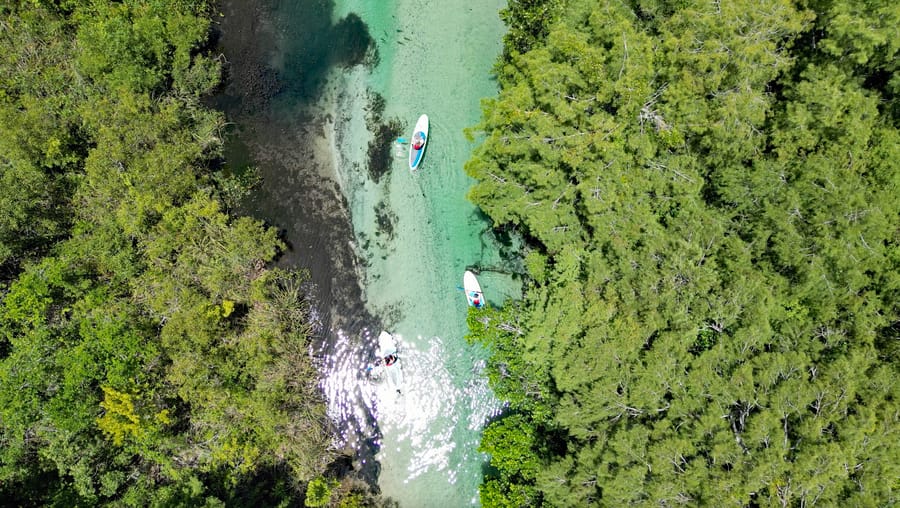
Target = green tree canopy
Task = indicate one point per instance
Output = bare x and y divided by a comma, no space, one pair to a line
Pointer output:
709,194
148,354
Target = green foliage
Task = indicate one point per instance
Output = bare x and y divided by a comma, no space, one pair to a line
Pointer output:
119,421
501,331
234,187
39,134
352,501
147,355
318,492
711,204
141,45
528,22
510,443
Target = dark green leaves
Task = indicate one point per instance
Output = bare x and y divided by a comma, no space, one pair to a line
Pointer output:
148,356
711,203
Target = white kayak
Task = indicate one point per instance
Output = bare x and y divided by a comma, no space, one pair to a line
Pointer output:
420,140
386,344
387,362
473,290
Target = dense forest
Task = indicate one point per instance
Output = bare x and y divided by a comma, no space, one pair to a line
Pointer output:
710,192
149,355
710,195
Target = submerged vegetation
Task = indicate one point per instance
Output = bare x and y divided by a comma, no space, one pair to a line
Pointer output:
148,355
710,195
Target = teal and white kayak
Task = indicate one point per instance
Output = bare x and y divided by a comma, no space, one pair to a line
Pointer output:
473,290
418,143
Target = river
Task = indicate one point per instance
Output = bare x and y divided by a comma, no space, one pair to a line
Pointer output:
317,91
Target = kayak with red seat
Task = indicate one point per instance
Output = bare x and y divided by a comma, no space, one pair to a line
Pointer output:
418,143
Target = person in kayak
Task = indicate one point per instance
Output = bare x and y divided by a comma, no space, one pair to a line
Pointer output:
390,359
418,141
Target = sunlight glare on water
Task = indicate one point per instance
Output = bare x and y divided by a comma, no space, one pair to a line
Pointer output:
351,397
430,408
421,410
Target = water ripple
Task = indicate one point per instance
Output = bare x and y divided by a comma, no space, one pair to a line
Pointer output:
427,417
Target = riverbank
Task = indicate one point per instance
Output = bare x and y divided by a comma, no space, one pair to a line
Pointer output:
386,248
280,108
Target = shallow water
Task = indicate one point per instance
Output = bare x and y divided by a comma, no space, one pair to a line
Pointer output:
430,432
387,248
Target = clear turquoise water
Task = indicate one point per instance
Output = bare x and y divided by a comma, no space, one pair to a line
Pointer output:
435,58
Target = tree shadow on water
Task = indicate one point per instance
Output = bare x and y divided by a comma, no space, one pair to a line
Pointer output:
313,45
282,50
